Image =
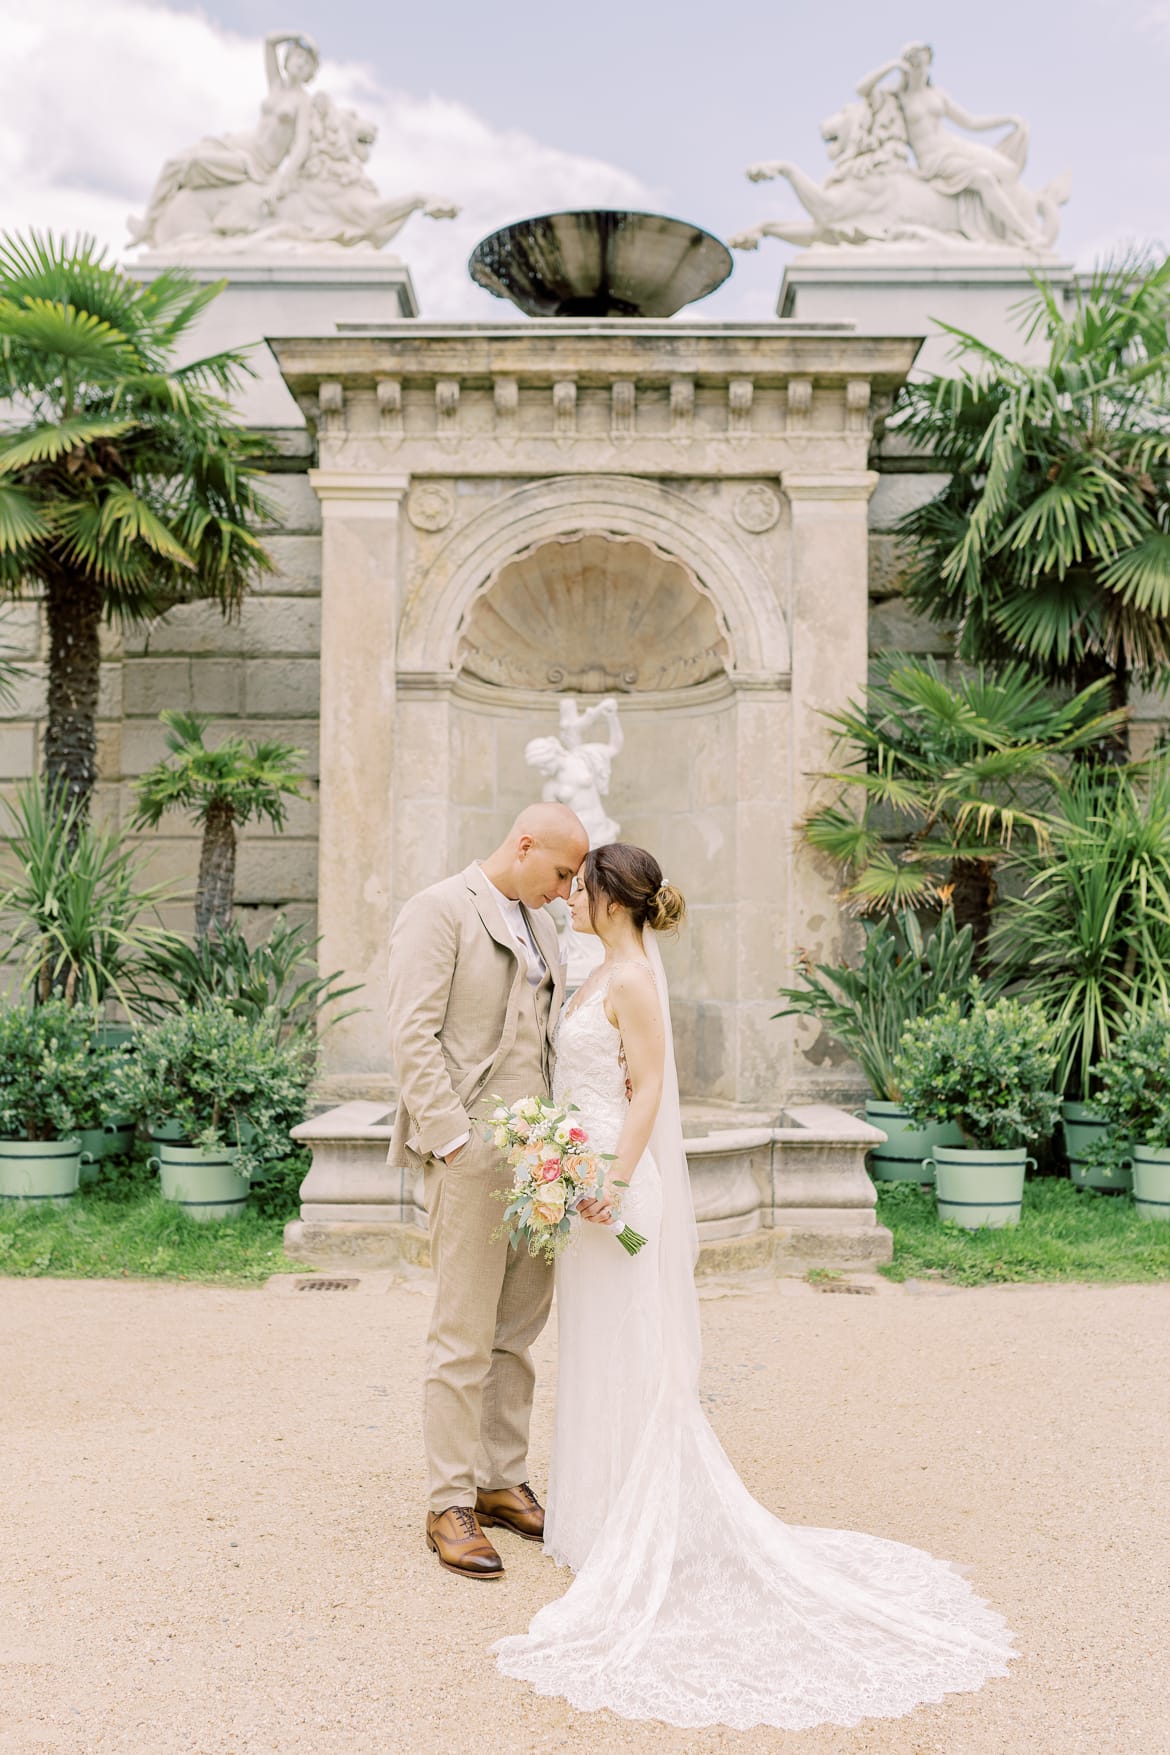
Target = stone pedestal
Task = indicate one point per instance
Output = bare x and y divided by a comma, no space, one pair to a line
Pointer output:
905,290
311,294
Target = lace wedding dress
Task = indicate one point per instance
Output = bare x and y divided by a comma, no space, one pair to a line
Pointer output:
691,1603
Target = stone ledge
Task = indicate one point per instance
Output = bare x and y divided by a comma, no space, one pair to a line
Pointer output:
386,1244
781,1198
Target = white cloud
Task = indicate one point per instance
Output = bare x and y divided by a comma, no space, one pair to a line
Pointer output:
93,98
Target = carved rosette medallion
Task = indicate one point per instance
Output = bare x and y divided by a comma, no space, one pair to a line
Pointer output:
756,509
430,506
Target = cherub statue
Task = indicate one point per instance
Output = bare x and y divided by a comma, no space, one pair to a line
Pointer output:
578,773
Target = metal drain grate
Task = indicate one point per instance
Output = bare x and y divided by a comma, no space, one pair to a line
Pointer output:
318,1285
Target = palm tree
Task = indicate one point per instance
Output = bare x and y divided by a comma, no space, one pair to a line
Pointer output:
942,776
1051,540
1089,937
221,788
126,483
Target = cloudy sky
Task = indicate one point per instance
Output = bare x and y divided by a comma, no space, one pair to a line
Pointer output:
516,108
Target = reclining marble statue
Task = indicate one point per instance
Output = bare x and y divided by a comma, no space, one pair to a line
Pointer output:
901,175
297,180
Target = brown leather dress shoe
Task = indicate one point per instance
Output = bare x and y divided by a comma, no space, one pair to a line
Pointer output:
455,1536
513,1508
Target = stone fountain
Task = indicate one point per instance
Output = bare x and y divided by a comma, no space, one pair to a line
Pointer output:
607,502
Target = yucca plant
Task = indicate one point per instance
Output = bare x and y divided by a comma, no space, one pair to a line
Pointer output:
944,777
221,788
901,974
127,483
274,980
1089,939
80,914
1051,540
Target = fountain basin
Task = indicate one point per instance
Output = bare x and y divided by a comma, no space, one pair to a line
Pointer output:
785,1197
600,263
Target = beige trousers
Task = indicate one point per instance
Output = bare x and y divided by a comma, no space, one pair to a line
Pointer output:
491,1302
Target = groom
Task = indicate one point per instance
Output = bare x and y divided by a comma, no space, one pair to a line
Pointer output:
476,984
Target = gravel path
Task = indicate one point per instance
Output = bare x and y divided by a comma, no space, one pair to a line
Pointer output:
211,1508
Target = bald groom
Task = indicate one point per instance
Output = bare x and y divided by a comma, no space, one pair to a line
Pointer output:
476,985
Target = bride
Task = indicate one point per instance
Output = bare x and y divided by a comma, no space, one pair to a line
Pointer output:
691,1603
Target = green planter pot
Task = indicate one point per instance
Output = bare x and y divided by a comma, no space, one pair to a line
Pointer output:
113,1035
1084,1126
40,1170
1151,1182
112,1139
171,1131
205,1185
119,1131
906,1155
976,1188
94,1147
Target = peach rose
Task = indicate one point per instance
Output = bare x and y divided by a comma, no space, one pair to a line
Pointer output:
548,1212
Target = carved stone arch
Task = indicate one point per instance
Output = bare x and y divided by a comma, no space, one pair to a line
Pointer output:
436,609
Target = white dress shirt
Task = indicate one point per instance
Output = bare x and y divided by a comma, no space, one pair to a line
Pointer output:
513,917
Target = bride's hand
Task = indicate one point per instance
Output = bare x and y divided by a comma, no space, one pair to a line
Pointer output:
600,1211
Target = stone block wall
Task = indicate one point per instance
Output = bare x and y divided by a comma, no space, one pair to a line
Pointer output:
259,676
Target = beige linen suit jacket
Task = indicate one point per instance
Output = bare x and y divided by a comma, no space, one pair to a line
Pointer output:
457,980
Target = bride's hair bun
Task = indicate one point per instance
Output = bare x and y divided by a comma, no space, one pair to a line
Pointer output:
667,908
632,878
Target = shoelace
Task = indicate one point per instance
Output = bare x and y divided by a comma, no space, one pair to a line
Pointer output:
467,1520
525,1492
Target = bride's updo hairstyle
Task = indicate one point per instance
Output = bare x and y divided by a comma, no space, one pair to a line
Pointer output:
633,879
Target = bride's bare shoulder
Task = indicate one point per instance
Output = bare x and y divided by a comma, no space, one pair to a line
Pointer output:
633,991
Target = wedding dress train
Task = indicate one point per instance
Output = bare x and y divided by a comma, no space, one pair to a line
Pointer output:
691,1603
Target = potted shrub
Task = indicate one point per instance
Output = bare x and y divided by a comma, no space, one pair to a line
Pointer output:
101,1127
991,1071
1135,1097
900,975
46,1069
226,1090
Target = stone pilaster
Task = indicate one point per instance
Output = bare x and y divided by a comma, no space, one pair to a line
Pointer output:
828,618
359,619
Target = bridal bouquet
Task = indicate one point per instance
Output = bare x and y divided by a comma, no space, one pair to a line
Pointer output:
553,1170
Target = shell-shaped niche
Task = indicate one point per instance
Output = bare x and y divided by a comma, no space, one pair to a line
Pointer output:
593,613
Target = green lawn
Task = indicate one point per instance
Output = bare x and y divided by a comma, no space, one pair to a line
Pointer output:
1063,1234
121,1228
